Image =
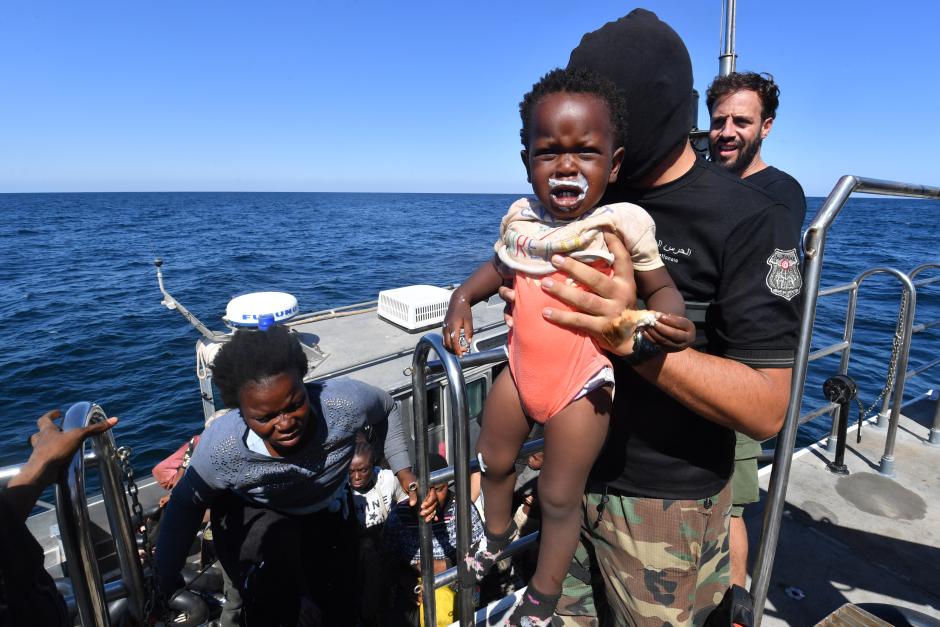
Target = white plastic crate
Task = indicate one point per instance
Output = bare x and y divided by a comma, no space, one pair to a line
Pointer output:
414,307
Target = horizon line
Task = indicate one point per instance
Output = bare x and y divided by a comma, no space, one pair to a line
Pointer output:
268,191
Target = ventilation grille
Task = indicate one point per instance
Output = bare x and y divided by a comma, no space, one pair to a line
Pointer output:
414,307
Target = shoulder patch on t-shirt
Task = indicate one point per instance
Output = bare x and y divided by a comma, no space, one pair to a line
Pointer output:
784,278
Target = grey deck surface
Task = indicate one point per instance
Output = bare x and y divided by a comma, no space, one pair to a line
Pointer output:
352,341
862,538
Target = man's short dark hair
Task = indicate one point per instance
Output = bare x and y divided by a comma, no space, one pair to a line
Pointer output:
576,81
253,356
762,84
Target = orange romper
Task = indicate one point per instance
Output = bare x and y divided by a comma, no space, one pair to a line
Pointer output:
553,366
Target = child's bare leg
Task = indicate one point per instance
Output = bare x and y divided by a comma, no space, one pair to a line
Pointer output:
573,440
504,430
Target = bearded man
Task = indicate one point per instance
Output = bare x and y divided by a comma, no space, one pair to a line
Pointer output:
743,107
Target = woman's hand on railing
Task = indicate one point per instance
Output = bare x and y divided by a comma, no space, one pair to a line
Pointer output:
409,483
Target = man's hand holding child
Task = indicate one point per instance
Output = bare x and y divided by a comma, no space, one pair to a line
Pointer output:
602,302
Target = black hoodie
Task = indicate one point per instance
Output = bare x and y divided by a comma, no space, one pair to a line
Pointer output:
645,58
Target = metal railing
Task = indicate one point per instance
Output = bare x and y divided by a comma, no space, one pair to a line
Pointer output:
75,524
896,377
933,437
814,241
8,472
899,353
460,472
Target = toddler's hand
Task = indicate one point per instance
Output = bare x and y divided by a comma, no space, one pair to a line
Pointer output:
671,333
459,319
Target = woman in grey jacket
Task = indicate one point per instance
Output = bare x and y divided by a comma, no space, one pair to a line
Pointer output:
273,472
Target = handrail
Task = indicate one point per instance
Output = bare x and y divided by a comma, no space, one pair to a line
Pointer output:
886,466
814,241
75,524
888,416
458,399
934,435
8,472
461,470
898,357
844,346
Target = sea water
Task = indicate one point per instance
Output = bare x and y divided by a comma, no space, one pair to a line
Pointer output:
82,318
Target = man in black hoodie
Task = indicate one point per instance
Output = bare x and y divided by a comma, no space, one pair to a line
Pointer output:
656,506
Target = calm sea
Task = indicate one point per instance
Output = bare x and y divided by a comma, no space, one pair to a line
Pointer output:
83,320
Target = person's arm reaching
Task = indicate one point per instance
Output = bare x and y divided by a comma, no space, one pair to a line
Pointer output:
178,526
29,593
396,452
52,449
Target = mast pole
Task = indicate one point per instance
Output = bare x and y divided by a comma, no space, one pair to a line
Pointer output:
726,59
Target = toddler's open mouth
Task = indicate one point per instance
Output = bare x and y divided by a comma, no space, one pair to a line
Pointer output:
567,194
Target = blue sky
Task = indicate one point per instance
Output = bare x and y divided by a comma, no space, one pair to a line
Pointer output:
418,96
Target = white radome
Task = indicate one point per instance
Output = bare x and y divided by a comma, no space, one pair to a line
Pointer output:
244,310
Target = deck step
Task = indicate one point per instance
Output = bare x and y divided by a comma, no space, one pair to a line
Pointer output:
851,615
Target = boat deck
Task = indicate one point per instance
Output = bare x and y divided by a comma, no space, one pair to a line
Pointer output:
861,538
368,348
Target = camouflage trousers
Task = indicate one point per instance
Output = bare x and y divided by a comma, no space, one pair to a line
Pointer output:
646,562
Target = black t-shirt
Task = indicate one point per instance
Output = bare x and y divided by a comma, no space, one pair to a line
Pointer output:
728,244
784,189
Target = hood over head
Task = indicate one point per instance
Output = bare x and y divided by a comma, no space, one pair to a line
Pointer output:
648,60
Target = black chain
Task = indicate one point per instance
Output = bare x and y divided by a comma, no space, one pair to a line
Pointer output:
892,370
142,527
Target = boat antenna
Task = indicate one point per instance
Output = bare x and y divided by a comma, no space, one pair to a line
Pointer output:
727,57
171,303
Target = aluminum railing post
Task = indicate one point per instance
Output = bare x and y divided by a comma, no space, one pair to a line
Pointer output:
886,467
844,360
119,519
814,240
419,408
458,398
75,530
934,438
457,393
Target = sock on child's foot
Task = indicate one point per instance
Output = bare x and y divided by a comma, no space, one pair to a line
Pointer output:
484,554
536,609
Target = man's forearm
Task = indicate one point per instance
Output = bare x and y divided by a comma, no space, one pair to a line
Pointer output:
752,401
